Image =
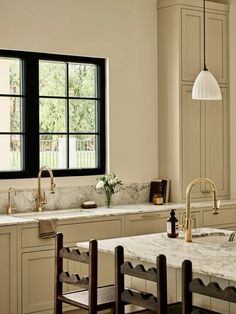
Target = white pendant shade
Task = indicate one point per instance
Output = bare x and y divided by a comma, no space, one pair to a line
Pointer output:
206,87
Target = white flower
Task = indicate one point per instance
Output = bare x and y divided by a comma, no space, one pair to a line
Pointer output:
111,181
100,184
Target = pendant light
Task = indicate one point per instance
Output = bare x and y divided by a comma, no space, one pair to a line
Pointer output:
205,86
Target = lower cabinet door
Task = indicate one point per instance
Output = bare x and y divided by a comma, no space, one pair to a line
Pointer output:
37,281
8,271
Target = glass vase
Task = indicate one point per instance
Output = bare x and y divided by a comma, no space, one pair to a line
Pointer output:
108,200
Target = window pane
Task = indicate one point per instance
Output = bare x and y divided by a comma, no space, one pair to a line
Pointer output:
52,78
82,80
53,151
82,115
82,151
10,82
10,114
52,115
11,145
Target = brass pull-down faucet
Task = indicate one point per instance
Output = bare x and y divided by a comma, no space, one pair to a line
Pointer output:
40,198
188,220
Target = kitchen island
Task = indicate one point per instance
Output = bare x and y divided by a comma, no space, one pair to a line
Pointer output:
212,256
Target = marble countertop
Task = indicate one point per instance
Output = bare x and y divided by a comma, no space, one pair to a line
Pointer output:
29,217
214,259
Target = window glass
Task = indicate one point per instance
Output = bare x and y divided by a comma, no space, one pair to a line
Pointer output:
10,109
10,79
82,80
82,115
11,159
53,151
52,78
52,115
82,151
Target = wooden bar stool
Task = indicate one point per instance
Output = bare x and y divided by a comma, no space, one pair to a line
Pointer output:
150,303
91,298
196,285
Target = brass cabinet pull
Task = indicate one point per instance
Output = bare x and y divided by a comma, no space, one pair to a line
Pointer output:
203,192
150,216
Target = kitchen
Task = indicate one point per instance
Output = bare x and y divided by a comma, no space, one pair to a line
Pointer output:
125,32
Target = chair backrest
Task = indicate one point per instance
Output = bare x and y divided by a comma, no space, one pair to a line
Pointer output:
158,303
195,285
61,276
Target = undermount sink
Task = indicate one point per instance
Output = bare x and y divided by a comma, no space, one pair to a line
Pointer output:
216,237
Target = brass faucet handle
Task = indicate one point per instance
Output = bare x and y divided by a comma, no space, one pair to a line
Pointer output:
52,190
43,200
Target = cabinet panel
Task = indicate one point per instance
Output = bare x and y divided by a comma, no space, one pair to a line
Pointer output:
192,142
216,143
37,281
216,41
191,43
145,223
225,216
8,270
204,143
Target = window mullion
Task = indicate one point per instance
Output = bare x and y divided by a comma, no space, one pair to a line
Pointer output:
31,83
67,115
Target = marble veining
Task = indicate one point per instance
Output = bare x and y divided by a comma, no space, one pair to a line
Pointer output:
214,259
73,197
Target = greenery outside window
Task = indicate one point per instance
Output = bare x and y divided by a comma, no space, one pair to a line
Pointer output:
52,110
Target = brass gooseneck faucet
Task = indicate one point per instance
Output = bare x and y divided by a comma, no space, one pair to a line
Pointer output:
188,220
40,198
9,204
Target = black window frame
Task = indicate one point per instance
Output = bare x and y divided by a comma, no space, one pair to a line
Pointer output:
30,114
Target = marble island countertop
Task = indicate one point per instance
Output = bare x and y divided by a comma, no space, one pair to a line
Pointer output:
19,218
216,259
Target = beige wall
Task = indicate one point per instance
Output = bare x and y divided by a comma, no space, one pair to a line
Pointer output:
233,97
124,31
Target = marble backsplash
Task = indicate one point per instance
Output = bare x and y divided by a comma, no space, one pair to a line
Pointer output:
73,197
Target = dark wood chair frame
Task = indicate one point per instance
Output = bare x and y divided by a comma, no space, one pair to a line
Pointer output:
94,298
157,274
196,285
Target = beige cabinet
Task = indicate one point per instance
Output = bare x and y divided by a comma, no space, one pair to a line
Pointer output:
193,135
8,270
145,223
37,258
204,143
226,219
37,281
192,44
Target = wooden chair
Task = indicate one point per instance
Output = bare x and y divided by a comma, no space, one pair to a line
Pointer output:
91,297
151,304
190,286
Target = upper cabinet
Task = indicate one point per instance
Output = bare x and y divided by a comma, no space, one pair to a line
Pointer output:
192,44
192,135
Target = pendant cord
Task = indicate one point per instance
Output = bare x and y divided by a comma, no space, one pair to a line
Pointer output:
204,34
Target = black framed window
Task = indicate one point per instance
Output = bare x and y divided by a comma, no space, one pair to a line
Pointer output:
53,113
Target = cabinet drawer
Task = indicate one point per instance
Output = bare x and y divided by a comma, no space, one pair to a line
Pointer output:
145,223
74,232
225,216
92,230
